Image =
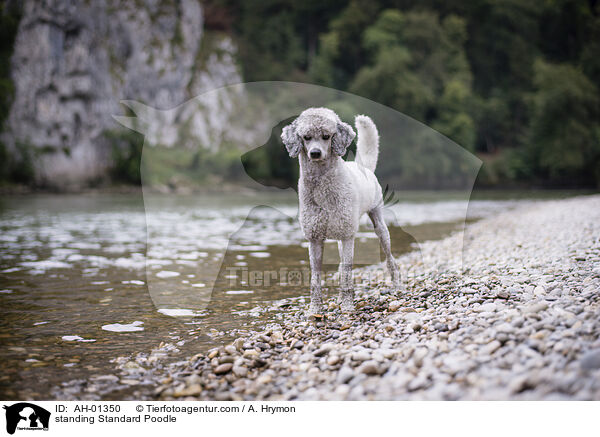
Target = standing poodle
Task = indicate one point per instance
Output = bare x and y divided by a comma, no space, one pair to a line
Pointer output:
334,194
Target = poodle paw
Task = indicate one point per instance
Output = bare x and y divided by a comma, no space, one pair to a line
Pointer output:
347,306
397,286
397,282
315,310
347,302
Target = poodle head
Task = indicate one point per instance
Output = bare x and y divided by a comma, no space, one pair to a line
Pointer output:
317,132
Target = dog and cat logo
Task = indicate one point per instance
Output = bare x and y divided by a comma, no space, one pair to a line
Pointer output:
26,416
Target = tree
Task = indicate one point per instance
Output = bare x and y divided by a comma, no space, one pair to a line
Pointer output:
419,67
564,140
340,54
453,118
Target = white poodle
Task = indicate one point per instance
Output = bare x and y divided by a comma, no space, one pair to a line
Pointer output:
334,194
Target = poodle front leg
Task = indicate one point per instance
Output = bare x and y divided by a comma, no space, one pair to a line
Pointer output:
315,253
346,248
383,234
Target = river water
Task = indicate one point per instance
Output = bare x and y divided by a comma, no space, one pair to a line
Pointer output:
87,278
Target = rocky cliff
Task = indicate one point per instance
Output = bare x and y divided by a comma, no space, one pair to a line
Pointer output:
74,61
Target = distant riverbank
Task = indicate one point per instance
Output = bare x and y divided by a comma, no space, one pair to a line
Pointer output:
228,187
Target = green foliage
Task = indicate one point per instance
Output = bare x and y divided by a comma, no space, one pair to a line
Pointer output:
564,142
467,69
22,165
181,166
341,55
589,59
453,120
391,82
503,40
420,68
17,167
277,38
126,148
504,168
9,23
4,157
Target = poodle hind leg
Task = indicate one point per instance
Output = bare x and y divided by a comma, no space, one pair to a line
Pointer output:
376,216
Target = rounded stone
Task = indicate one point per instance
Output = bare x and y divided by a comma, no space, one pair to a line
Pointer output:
223,368
591,360
370,367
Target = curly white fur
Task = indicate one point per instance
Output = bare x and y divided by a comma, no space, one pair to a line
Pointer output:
334,194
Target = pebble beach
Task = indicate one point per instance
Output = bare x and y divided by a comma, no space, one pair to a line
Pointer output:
516,317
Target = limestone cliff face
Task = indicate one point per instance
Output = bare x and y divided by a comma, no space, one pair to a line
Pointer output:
74,61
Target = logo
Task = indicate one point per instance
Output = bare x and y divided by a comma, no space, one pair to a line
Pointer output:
26,416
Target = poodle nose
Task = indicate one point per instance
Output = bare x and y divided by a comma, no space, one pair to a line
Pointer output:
315,153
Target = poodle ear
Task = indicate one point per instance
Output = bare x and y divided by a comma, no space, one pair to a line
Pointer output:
342,139
290,138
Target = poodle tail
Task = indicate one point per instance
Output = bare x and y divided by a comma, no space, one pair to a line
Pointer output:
367,145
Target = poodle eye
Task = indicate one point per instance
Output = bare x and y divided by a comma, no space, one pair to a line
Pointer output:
326,136
307,137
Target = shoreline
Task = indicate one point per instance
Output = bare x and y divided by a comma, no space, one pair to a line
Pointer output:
519,320
14,190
